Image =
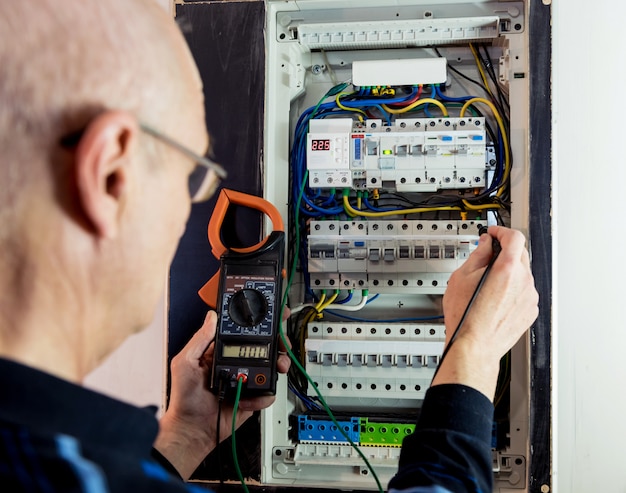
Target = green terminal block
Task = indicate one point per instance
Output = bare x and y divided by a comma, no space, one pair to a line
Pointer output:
375,434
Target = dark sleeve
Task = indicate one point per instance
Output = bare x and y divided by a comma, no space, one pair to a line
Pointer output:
160,459
451,445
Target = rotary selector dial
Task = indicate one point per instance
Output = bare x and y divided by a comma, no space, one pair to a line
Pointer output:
247,307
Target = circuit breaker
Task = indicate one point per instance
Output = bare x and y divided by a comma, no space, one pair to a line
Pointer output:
393,133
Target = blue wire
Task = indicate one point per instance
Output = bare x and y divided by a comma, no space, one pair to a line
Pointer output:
427,105
386,115
346,299
377,209
388,321
443,97
372,299
310,404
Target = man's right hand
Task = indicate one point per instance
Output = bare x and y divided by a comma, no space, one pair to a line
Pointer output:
502,312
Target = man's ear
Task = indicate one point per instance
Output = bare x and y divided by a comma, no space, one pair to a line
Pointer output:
101,169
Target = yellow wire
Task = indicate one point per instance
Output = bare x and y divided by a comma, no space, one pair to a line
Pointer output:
321,301
417,103
356,110
329,301
480,69
399,212
483,207
505,139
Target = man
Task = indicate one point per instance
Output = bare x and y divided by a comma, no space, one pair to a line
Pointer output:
96,98
92,207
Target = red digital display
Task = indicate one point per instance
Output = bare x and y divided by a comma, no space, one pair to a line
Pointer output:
320,144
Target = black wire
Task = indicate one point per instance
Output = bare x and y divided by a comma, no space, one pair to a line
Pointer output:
217,443
459,73
294,329
496,251
492,74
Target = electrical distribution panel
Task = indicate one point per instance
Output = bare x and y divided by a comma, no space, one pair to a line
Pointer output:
392,134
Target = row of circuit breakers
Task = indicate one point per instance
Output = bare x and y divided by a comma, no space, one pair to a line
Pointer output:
395,256
412,155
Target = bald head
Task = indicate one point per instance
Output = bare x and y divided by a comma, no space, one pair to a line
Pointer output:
68,61
89,224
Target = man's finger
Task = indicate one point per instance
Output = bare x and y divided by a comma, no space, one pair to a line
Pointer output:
480,256
197,345
256,403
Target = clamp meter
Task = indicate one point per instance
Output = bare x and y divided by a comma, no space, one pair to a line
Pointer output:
246,292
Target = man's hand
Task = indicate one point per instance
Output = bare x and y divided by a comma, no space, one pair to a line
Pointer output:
188,429
504,309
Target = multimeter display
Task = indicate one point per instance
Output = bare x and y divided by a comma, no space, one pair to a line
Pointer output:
245,351
249,310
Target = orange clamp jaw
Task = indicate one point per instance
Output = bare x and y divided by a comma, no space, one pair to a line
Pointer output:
226,198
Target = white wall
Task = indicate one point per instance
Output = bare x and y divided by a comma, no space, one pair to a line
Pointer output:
136,371
589,67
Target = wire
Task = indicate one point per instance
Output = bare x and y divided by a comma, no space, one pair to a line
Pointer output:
217,441
356,110
505,141
394,212
414,105
349,308
328,302
387,321
240,379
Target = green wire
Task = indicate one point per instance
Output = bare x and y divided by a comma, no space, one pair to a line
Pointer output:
234,428
293,357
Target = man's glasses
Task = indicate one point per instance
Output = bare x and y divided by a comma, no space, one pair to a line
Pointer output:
205,178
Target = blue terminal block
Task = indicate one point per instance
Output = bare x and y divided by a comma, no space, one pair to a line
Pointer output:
319,430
